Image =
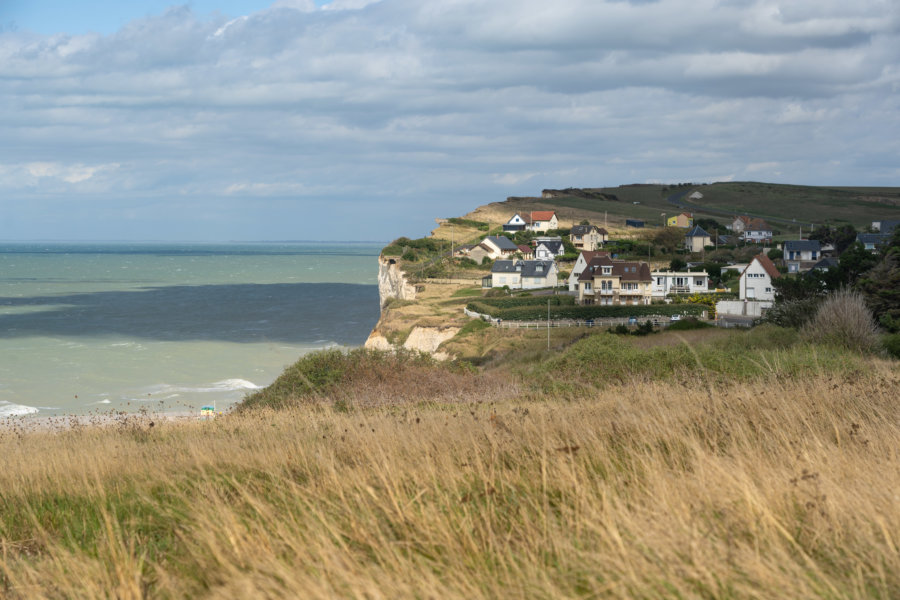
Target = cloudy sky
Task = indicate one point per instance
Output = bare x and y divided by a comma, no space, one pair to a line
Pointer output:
361,119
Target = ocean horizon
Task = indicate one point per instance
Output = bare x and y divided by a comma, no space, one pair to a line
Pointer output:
104,326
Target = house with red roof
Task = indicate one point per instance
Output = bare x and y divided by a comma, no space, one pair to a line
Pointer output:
757,230
756,279
541,220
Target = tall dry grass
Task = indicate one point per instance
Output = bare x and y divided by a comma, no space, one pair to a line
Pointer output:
777,488
844,320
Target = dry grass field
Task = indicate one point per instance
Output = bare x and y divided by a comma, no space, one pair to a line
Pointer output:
401,478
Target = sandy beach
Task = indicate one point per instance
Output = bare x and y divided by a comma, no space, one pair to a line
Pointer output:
60,423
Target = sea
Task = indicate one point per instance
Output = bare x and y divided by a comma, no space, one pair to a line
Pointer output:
110,327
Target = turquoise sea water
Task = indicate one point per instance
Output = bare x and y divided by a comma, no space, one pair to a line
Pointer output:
172,327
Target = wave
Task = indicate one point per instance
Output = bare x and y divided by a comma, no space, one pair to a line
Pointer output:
226,385
8,409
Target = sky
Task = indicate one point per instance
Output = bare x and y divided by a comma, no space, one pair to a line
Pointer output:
366,119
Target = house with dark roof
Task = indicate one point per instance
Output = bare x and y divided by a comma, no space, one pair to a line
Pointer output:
523,274
825,264
500,246
515,223
801,255
580,264
608,281
697,239
756,279
548,248
873,241
885,227
588,237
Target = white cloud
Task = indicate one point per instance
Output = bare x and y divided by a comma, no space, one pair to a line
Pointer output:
431,105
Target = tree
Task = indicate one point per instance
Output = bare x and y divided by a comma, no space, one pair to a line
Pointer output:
669,239
775,254
855,261
841,237
880,285
677,264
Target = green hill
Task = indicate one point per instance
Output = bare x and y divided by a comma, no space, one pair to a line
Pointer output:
778,203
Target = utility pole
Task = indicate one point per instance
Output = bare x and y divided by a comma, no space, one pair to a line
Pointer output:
548,324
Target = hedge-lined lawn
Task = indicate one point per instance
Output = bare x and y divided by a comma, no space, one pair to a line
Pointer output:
534,311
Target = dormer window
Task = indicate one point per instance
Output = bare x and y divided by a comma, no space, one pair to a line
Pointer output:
607,270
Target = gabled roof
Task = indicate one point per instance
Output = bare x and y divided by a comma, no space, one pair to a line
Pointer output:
758,225
872,238
744,218
590,254
502,242
525,249
697,231
583,229
624,270
554,247
766,264
541,215
802,246
526,268
826,263
888,226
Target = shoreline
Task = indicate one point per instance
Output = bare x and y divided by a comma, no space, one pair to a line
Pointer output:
59,423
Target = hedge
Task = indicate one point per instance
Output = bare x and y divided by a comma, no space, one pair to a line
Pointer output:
535,313
495,303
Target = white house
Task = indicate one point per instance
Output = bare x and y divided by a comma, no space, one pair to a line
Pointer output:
541,220
756,280
523,274
757,231
548,248
798,252
516,223
580,264
499,246
679,282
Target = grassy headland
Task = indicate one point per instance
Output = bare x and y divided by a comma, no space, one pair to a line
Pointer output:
696,464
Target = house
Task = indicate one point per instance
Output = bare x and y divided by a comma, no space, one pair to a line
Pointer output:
683,220
885,227
516,223
739,224
499,246
872,241
697,239
607,281
548,248
541,220
756,279
580,264
522,274
527,252
801,255
679,282
825,264
633,223
757,230
588,237
463,251
695,196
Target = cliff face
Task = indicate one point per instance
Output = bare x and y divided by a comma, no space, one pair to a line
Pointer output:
392,282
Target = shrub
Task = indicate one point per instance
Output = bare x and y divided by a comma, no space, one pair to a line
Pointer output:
793,313
891,343
845,321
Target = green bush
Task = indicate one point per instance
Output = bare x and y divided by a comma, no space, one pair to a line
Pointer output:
891,343
526,301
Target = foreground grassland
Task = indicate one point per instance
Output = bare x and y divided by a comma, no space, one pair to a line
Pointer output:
771,471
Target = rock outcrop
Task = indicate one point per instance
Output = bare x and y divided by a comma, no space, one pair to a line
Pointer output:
392,282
